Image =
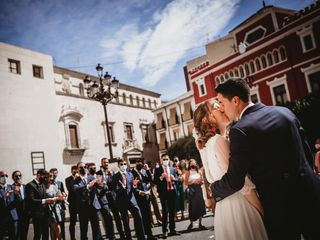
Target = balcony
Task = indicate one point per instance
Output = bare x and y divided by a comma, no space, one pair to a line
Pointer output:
160,124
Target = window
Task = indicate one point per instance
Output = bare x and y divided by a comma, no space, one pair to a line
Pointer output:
138,101
149,102
144,133
37,161
201,87
111,132
187,113
307,38
173,116
282,53
263,62
143,102
254,98
81,89
269,59
312,77
124,98
226,76
37,71
255,35
246,67
217,81
280,95
276,56
163,142
236,72
231,74
73,136
252,67
128,129
14,66
258,65
131,99
160,122
241,71
175,134
190,128
279,90
155,103
221,78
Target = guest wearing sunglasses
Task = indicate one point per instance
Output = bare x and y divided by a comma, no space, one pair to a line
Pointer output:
22,207
125,186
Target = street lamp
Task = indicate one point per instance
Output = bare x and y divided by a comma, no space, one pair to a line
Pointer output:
103,91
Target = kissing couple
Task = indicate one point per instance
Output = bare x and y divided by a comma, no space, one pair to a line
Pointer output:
260,171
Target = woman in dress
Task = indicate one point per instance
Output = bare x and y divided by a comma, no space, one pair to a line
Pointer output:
56,212
197,207
180,192
240,215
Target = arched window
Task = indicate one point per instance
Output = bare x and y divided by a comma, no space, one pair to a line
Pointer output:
124,98
149,102
222,78
276,56
226,75
252,67
270,60
231,74
217,81
263,62
282,54
138,101
241,71
246,67
131,99
81,89
258,65
143,102
236,72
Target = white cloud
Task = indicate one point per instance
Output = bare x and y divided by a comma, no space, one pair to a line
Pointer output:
181,25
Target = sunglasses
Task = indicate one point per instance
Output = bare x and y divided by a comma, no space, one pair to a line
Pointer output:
121,164
4,175
165,159
92,168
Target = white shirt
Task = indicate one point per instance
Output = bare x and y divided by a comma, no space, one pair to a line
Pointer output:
243,110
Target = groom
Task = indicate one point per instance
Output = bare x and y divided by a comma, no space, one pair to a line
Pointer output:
268,144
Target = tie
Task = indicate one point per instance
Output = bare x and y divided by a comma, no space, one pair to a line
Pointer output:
124,180
169,182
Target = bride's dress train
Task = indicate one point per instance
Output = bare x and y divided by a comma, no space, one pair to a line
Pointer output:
235,217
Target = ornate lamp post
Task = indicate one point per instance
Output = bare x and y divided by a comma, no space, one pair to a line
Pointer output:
103,91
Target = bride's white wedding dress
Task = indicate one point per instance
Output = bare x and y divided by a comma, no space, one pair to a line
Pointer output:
235,217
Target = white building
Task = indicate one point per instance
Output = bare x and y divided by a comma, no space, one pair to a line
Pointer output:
47,120
174,120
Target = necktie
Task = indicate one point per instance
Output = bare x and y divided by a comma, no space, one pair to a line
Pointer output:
124,180
169,182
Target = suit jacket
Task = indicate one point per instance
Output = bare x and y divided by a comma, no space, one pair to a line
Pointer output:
20,199
269,144
71,193
162,186
124,194
145,180
110,193
34,194
8,205
81,192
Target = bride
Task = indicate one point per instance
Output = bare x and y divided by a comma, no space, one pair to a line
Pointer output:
238,216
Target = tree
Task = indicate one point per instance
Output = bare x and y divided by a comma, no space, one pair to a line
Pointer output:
185,148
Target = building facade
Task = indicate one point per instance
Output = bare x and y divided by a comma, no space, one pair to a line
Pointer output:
174,120
276,50
48,121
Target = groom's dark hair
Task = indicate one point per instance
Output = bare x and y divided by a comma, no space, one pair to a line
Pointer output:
234,87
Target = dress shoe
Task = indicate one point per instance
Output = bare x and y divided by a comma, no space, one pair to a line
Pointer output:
164,235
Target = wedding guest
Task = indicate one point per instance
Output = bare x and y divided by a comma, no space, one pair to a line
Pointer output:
106,175
125,185
38,203
142,194
21,206
59,184
8,211
72,200
165,178
56,212
179,186
154,200
197,207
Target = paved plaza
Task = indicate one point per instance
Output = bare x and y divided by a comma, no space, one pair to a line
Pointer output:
181,226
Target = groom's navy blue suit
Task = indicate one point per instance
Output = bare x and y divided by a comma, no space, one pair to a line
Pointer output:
269,144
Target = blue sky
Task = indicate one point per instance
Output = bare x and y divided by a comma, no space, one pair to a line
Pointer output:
144,43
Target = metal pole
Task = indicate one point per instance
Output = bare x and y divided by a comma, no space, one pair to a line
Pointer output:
108,133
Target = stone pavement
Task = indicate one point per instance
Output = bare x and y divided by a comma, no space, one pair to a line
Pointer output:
181,226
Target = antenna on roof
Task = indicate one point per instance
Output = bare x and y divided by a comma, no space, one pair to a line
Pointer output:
263,4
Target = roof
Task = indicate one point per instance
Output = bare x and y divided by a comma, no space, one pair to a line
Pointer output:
80,75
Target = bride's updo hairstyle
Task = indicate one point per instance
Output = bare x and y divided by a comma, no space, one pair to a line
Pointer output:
205,130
